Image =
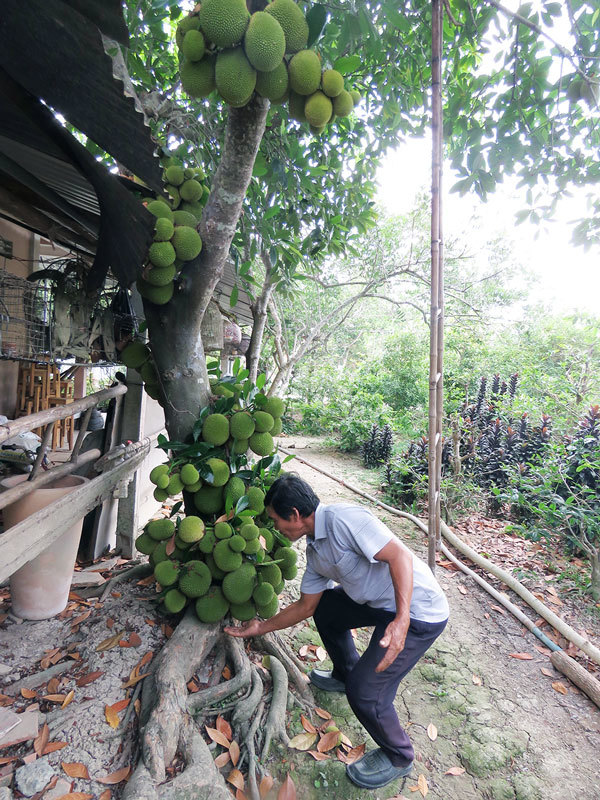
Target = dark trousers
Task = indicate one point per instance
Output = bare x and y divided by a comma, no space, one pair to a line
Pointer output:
371,694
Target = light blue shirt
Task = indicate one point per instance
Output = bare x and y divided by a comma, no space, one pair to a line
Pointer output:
342,551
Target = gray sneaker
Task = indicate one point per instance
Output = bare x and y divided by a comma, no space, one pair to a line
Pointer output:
375,769
322,679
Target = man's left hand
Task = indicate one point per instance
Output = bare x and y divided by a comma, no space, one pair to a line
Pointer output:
393,640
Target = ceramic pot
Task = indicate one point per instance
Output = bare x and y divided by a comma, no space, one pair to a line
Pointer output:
40,589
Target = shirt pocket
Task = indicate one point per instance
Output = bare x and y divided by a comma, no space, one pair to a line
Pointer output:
348,569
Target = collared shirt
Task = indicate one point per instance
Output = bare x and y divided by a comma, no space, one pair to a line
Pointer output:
342,551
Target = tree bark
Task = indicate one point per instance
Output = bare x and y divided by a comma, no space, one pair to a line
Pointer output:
259,315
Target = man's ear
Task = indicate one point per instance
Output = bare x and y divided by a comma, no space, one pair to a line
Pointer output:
294,515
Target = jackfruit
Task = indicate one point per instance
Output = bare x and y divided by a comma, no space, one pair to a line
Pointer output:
173,193
161,276
271,574
174,601
213,606
184,218
264,421
209,499
163,229
161,254
355,97
223,530
195,578
163,481
135,354
317,130
215,429
148,374
291,19
160,209
160,529
207,542
189,474
240,446
174,174
263,594
249,531
287,556
264,42
192,488
190,191
224,22
318,109
175,485
241,425
186,24
159,469
159,295
234,489
189,173
261,444
191,529
235,77
296,107
225,558
220,472
343,104
198,77
332,82
275,84
187,243
218,574
267,535
238,585
305,72
243,611
289,573
269,609
193,208
273,406
277,427
181,545
280,587
236,543
160,495
194,46
251,547
256,499
167,572
145,544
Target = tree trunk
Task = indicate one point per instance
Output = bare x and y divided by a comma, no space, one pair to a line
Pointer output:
175,329
259,315
595,577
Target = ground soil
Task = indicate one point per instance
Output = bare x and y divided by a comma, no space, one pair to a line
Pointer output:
470,706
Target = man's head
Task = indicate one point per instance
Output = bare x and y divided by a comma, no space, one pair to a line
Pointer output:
291,504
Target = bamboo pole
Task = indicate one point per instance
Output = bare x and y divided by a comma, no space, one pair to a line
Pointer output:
436,329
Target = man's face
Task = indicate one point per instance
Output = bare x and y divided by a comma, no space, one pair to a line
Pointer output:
294,528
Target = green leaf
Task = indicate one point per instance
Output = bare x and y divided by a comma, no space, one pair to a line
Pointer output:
273,211
234,296
347,64
316,18
261,380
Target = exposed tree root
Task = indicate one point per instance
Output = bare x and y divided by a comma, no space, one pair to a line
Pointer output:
240,681
246,708
137,571
275,724
275,647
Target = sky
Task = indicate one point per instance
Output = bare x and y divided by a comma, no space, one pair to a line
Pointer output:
566,277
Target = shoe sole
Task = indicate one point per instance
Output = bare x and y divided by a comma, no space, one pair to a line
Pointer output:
327,688
356,780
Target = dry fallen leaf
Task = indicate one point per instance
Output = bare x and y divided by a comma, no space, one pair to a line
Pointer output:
455,771
222,759
432,731
133,681
422,784
560,687
234,752
224,727
76,796
354,754
303,741
307,724
111,716
499,609
217,736
108,644
476,680
318,756
321,654
28,694
521,656
41,741
106,795
76,770
235,778
462,589
265,786
52,747
547,672
68,699
328,741
89,678
115,777
287,790
322,713
134,639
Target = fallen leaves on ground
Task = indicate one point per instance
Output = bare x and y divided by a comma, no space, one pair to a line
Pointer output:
476,680
234,752
287,790
265,786
224,727
455,771
41,740
560,687
304,741
76,770
222,759
111,716
307,724
76,796
108,644
217,736
352,755
318,756
322,713
90,677
115,777
28,694
547,672
521,656
328,741
432,732
235,778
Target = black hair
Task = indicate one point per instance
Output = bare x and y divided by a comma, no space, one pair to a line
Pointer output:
289,492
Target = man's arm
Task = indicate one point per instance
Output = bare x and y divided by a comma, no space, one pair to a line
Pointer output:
295,612
399,560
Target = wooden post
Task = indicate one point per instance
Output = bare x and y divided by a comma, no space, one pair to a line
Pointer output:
436,331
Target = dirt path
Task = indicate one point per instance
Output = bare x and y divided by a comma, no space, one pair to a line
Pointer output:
497,717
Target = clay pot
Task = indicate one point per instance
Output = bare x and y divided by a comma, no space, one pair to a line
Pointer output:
40,589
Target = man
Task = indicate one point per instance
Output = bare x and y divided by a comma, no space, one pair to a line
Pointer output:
381,583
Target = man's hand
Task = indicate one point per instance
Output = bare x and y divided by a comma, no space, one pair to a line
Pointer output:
393,639
244,631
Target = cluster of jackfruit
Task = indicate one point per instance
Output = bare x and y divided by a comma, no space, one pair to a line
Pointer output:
136,355
251,428
226,48
236,566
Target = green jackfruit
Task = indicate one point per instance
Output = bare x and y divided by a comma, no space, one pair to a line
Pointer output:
225,558
296,106
238,585
160,495
145,544
287,556
160,209
174,601
186,24
174,174
159,295
192,488
273,85
167,572
198,77
280,587
269,609
175,485
190,191
234,489
240,446
277,427
212,607
181,545
252,547
235,77
215,429
195,578
191,529
193,208
305,72
332,82
263,594
291,19
209,499
318,108
256,499
241,425
273,406
220,472
270,573
186,242
343,104
163,481
264,42
161,254
237,543
267,535
218,574
207,542
184,218
160,529
355,97
264,421
163,229
173,193
193,47
249,531
223,530
289,573
261,443
224,22
243,611
161,276
135,354
189,474
159,469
